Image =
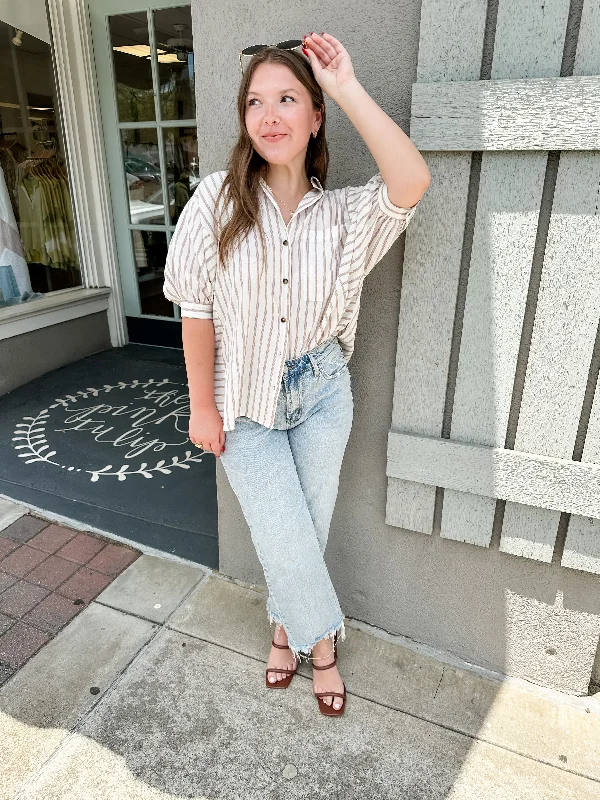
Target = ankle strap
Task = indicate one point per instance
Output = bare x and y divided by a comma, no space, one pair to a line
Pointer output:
327,666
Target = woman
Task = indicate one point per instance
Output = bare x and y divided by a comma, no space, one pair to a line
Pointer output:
268,268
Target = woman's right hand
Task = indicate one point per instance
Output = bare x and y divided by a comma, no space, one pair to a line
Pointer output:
206,428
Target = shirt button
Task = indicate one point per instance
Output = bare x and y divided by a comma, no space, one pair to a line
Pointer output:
285,241
283,319
285,280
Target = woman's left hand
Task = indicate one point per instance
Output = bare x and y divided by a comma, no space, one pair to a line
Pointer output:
330,62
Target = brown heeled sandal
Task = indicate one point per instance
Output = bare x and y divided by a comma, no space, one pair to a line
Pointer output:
284,682
330,711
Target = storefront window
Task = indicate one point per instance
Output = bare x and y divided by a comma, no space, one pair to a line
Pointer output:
133,71
153,73
38,247
142,173
181,159
173,31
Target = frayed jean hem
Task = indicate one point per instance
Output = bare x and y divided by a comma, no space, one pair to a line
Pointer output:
305,650
273,617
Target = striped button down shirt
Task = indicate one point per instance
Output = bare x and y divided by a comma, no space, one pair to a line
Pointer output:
309,288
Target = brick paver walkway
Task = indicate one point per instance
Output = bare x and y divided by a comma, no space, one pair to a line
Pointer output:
48,573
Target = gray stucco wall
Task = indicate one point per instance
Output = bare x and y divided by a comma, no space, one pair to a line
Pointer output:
25,357
519,617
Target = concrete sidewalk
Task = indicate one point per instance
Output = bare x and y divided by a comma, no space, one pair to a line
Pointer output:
156,690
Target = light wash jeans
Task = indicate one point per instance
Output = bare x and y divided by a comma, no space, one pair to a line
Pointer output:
286,479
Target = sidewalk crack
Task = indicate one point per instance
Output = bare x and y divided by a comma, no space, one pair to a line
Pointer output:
440,683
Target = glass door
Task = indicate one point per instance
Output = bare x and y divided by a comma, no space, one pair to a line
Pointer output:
145,66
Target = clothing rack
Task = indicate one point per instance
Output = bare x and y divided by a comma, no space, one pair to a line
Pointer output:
45,161
47,168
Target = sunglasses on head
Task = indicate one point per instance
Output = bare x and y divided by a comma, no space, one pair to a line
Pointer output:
290,44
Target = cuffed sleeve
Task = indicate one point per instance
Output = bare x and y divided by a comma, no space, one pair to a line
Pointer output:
386,205
374,220
191,261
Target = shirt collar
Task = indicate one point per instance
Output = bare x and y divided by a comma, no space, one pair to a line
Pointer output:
316,183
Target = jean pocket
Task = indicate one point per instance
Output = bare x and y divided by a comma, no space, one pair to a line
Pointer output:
331,363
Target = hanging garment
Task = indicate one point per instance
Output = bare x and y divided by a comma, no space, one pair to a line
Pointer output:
57,222
47,226
11,249
8,162
30,213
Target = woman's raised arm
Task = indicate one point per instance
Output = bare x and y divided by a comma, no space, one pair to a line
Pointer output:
402,166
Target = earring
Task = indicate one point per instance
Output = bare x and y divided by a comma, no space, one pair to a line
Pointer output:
315,134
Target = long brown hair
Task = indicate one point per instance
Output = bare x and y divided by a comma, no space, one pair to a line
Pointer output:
242,182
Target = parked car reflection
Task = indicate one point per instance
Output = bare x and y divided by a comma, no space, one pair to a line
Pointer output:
142,169
150,211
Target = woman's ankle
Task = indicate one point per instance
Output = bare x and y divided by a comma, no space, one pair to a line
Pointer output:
323,649
279,635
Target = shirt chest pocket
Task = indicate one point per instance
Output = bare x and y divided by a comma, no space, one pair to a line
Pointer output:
322,263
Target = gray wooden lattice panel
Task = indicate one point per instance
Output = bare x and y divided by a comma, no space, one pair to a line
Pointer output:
450,49
510,192
542,482
562,342
540,114
582,545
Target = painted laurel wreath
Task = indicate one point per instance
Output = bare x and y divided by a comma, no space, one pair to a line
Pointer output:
33,433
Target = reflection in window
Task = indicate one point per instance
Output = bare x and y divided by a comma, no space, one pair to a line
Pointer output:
173,31
142,173
160,161
150,251
181,157
133,70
